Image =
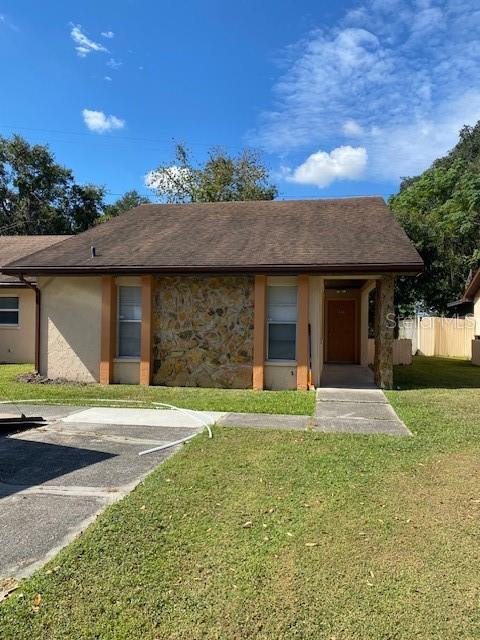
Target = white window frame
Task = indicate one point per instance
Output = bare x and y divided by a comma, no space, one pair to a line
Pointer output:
11,325
270,360
118,356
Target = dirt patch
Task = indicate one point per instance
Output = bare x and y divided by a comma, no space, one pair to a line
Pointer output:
36,378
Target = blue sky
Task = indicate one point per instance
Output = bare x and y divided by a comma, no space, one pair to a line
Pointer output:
342,98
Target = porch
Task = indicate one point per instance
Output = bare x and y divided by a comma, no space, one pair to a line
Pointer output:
337,321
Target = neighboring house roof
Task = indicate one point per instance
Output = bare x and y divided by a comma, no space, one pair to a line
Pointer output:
18,247
342,235
473,286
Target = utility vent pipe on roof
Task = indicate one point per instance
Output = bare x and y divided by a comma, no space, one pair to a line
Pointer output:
93,251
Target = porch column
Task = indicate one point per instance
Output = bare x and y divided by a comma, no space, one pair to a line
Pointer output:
259,324
302,334
364,315
384,326
146,332
108,329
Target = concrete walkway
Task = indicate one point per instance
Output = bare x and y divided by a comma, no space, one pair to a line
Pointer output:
265,421
349,402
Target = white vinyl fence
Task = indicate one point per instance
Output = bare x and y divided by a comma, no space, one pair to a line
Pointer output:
436,336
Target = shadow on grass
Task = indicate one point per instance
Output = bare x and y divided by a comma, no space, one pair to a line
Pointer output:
437,373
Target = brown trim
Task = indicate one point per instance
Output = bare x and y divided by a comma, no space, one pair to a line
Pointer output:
259,326
146,331
108,329
293,269
302,333
15,285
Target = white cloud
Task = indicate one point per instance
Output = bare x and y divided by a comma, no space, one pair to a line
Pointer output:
101,123
108,34
114,64
108,78
84,45
352,128
322,168
401,76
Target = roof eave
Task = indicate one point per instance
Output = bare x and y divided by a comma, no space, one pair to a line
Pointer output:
357,268
473,287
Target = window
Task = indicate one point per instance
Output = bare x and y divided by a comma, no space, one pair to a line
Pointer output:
129,321
8,311
282,322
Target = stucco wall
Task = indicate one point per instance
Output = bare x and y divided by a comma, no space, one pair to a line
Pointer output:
280,376
70,328
126,371
17,344
476,343
203,331
476,313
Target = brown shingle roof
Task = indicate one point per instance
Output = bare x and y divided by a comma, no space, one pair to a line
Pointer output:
311,235
18,247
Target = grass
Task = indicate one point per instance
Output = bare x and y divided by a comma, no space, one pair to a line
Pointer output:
231,400
351,537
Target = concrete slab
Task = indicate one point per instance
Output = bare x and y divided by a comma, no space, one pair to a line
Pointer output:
333,394
68,460
49,412
265,421
361,426
348,376
360,410
349,402
142,417
34,528
115,432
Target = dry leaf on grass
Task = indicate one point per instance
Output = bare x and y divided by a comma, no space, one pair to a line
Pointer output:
247,524
37,601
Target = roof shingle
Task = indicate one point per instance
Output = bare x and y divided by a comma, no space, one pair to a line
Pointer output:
311,235
18,247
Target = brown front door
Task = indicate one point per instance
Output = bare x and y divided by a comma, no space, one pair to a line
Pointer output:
341,343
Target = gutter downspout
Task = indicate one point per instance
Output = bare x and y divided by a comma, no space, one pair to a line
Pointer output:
34,287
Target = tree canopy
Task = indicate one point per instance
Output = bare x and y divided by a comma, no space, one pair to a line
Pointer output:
129,200
39,196
220,178
440,211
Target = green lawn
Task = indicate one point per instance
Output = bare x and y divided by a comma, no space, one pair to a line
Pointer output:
351,537
232,400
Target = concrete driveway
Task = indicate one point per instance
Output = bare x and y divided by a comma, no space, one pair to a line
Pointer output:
55,479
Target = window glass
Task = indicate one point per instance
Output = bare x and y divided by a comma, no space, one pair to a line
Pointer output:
282,304
8,310
281,341
129,321
281,322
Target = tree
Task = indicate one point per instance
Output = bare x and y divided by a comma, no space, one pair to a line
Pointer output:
39,196
129,200
221,178
440,211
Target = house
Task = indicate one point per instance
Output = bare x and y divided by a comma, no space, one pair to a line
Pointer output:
230,294
472,295
17,299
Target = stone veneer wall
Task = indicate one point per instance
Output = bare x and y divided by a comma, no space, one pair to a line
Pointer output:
203,331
